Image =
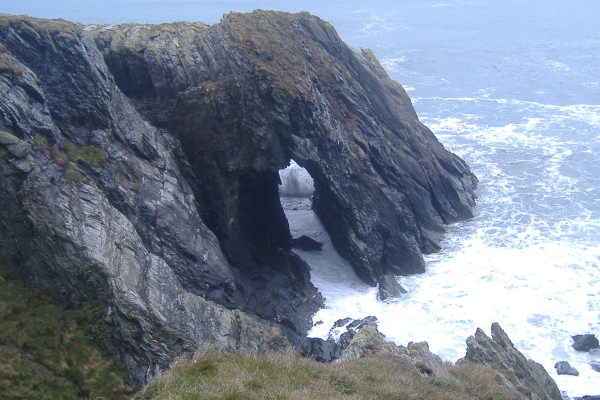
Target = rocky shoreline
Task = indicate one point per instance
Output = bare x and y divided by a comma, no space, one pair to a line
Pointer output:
140,166
140,173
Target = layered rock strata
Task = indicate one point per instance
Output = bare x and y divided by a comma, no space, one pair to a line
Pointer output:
525,377
514,375
248,94
139,166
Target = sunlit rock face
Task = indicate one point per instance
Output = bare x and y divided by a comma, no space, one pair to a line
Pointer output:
139,166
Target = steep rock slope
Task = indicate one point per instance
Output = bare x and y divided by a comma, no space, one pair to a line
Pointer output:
248,94
142,177
515,372
95,208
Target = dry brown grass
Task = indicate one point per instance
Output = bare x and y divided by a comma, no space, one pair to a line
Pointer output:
221,376
479,380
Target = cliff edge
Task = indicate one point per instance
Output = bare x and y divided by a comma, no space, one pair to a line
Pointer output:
139,166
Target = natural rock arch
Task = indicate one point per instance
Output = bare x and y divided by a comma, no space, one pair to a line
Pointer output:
177,232
256,90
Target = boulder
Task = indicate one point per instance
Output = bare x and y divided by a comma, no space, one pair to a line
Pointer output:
426,362
365,340
307,243
595,366
389,288
585,342
564,368
321,350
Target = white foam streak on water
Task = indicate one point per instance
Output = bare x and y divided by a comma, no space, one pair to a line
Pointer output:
530,259
540,294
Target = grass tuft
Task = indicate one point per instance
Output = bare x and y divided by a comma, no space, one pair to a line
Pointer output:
73,155
479,380
88,155
211,375
47,351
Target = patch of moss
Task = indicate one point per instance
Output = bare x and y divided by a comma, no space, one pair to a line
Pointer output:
47,352
5,63
73,175
73,155
88,155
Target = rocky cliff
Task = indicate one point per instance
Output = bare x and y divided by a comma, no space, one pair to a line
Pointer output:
139,166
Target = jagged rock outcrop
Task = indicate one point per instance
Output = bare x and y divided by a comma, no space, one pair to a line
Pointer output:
96,207
513,376
139,166
517,373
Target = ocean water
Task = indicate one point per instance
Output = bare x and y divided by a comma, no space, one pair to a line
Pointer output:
511,86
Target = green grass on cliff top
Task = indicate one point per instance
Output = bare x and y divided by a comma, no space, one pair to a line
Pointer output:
218,376
46,351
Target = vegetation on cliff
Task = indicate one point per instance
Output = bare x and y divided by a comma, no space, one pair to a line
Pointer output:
46,352
223,376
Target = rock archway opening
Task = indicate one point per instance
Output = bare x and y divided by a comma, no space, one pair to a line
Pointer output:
296,182
296,191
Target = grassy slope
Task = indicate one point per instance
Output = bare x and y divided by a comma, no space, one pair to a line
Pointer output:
218,376
46,351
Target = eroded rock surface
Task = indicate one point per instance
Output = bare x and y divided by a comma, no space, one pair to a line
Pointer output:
139,166
515,377
97,208
519,374
248,94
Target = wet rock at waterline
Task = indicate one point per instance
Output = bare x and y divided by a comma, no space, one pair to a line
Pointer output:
564,368
389,288
585,342
307,243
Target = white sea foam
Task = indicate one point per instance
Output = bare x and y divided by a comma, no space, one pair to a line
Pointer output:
393,63
557,65
295,181
529,259
540,294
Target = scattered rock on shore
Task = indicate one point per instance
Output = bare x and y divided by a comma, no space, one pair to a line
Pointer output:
564,368
307,243
585,342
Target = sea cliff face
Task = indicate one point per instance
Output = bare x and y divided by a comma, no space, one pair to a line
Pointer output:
139,166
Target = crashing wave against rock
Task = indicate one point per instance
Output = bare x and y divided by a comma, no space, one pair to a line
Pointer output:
140,170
